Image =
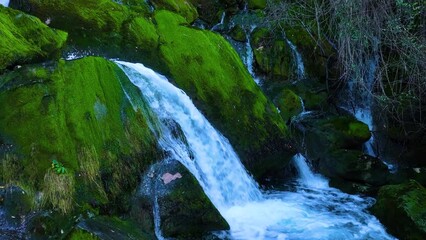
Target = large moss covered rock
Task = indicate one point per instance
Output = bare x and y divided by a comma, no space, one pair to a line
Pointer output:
184,210
25,39
206,67
402,209
77,114
354,166
331,132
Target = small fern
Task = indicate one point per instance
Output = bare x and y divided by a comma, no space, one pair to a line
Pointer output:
58,167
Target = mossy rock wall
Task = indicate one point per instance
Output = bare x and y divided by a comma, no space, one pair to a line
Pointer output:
78,114
200,62
402,209
25,39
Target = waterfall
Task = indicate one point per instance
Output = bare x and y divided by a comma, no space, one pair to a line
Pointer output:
299,61
306,176
222,21
211,158
363,107
313,211
4,3
249,57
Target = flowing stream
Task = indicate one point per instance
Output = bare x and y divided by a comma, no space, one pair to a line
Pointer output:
312,210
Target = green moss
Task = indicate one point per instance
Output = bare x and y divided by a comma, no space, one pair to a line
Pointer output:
26,39
404,202
95,16
256,4
181,7
272,55
74,112
206,67
103,227
238,34
289,104
81,235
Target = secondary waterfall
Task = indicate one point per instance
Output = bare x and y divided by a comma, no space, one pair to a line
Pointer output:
218,25
312,211
298,58
249,57
4,3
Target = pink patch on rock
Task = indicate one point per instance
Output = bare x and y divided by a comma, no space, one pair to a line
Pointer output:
167,177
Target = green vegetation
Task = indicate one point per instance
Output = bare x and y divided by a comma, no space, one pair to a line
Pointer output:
25,39
58,191
392,32
58,167
256,4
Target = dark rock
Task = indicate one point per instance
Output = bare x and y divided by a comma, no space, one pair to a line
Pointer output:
184,209
402,209
238,34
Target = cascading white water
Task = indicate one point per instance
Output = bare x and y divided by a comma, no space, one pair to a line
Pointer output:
4,3
222,21
212,157
306,176
314,211
249,57
299,61
363,107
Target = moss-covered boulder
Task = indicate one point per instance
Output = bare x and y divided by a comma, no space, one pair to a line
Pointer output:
334,144
273,55
184,210
402,209
355,167
77,114
208,69
325,133
181,7
256,4
238,34
289,104
25,39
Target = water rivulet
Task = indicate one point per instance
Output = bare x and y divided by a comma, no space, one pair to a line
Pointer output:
312,211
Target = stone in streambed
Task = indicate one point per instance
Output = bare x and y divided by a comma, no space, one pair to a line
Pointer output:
402,209
184,209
